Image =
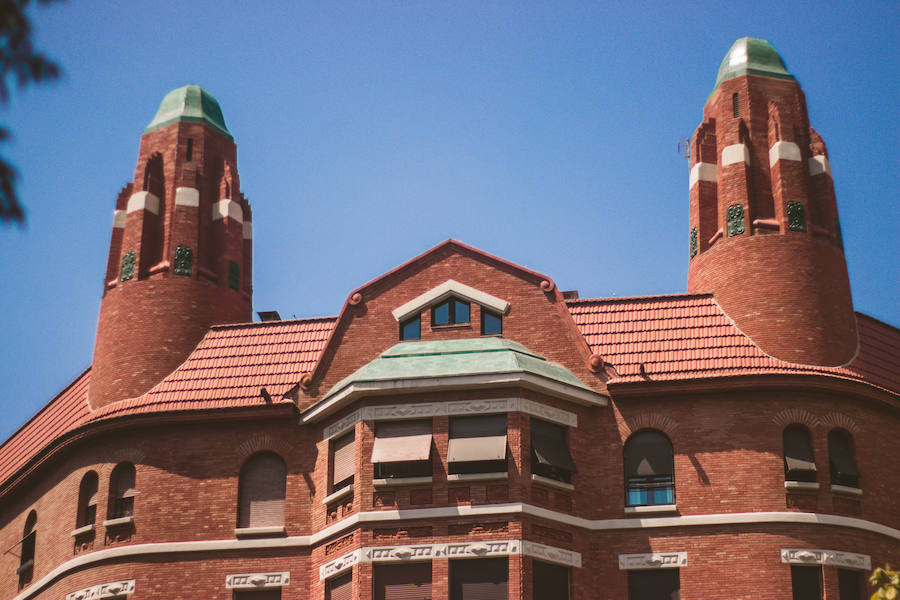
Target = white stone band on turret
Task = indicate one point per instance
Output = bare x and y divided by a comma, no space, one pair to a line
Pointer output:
187,196
703,172
783,151
229,209
118,219
248,230
143,201
818,165
734,154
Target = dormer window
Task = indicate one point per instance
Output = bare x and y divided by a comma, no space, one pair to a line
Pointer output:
451,311
411,328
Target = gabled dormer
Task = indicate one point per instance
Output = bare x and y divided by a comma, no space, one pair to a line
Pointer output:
450,305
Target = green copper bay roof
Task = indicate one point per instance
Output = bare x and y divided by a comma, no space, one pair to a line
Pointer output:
189,103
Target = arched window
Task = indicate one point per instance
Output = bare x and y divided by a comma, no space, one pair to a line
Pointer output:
26,558
842,459
649,469
799,462
87,500
121,491
261,491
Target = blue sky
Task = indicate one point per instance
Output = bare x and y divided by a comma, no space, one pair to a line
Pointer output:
544,133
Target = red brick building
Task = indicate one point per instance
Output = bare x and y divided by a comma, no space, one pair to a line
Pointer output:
463,428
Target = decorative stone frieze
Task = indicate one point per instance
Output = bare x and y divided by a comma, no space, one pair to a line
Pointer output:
257,581
653,560
463,407
810,556
418,552
104,590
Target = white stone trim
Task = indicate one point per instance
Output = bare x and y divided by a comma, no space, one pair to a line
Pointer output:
736,153
119,219
259,531
344,491
104,590
505,510
187,196
424,410
400,481
784,151
560,485
478,476
656,508
846,489
227,208
453,550
118,521
143,201
248,230
444,290
801,485
809,556
819,164
82,530
257,581
704,172
653,560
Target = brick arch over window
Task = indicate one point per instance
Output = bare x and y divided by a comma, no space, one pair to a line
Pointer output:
647,420
121,491
649,469
261,491
87,500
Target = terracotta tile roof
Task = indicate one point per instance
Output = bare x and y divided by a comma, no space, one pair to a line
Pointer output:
226,369
688,336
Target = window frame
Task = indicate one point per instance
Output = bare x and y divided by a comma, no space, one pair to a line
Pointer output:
477,467
801,449
333,484
844,454
415,319
246,498
121,502
555,472
485,312
88,491
404,469
451,303
649,485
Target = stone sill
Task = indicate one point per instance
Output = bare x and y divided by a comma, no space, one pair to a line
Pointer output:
801,485
243,532
82,530
344,491
560,485
477,476
651,508
118,522
398,481
844,489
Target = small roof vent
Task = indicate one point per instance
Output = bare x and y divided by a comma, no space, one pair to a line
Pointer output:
269,315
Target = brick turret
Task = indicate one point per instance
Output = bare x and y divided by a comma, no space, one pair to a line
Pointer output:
764,230
180,253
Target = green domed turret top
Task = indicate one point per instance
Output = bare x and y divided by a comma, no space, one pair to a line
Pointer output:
751,56
189,103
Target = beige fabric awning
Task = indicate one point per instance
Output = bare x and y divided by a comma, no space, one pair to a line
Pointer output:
477,438
402,441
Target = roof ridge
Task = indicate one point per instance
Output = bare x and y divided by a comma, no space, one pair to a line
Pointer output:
223,326
642,298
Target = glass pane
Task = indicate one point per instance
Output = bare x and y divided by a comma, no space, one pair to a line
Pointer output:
462,311
491,324
441,314
411,329
637,497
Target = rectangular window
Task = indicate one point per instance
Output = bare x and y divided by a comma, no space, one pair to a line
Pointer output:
452,311
550,452
654,584
850,584
479,579
411,329
402,449
491,323
343,461
477,444
340,587
403,582
806,582
550,581
736,104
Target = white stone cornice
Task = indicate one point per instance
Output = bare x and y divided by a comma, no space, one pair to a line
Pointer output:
420,552
819,164
143,201
809,556
257,581
424,410
114,589
736,153
187,196
784,151
704,172
653,560
227,209
119,219
445,290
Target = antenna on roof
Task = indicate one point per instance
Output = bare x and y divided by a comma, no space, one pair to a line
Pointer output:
683,147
